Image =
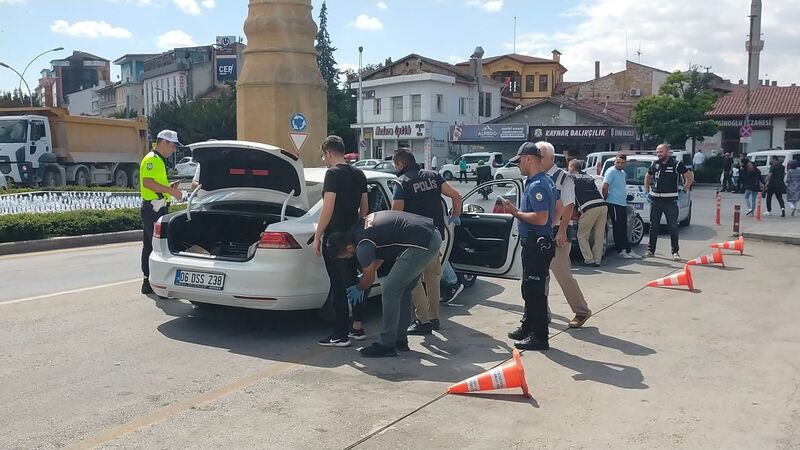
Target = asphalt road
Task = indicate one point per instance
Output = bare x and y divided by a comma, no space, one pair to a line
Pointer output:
86,361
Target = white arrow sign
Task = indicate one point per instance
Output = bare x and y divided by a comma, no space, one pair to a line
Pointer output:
298,140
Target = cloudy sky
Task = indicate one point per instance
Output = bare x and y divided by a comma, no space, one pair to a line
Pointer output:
670,34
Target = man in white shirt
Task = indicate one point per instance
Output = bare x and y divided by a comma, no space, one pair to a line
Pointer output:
698,160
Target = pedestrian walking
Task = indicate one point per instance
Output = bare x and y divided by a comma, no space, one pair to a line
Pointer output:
157,194
420,192
409,241
775,185
344,202
615,190
434,163
561,266
750,178
793,186
662,186
727,172
535,215
462,171
594,215
698,160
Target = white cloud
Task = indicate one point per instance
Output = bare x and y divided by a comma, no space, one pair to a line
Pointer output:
453,59
89,29
174,39
382,5
188,6
487,5
673,35
367,23
208,4
11,2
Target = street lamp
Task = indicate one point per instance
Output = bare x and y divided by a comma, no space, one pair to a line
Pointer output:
361,104
57,49
30,95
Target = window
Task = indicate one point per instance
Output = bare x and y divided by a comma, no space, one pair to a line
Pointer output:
439,103
485,104
542,83
462,106
530,83
376,198
397,109
377,104
416,107
38,130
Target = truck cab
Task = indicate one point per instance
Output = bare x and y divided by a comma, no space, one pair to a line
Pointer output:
25,146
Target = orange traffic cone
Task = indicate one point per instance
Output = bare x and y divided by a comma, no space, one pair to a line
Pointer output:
679,279
714,258
737,245
509,375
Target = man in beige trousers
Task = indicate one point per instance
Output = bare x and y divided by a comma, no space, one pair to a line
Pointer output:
561,264
594,214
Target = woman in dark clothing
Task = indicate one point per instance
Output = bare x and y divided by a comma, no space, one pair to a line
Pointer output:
750,178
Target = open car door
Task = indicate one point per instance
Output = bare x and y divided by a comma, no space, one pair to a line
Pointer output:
487,241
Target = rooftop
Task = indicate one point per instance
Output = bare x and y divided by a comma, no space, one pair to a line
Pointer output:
618,114
524,59
764,100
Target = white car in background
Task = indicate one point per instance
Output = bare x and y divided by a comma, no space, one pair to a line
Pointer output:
365,164
510,171
635,170
186,167
452,170
245,238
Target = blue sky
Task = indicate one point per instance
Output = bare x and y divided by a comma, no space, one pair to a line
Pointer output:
671,35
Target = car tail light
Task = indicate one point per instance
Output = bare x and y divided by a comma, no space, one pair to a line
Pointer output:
272,239
157,229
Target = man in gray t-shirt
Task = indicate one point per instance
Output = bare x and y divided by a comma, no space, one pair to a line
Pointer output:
408,240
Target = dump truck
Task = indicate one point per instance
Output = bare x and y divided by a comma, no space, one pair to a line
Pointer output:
51,147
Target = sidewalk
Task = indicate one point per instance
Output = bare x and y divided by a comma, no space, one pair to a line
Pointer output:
774,228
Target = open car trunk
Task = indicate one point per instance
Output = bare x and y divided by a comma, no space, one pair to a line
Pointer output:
227,235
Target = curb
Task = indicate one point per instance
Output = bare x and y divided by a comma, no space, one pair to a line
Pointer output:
783,238
59,243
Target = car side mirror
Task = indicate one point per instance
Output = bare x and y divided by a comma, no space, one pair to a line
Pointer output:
473,209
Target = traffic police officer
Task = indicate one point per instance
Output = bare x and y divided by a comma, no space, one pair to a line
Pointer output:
157,194
664,176
538,248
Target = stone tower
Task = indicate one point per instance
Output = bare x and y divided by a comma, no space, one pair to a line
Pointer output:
280,83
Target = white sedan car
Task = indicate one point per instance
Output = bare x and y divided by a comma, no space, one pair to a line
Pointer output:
365,164
186,167
245,240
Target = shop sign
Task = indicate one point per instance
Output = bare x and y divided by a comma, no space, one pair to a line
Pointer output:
406,130
737,123
489,133
570,133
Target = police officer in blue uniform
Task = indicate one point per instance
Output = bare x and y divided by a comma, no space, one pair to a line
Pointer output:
538,247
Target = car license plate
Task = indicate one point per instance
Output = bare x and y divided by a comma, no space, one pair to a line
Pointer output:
638,205
202,280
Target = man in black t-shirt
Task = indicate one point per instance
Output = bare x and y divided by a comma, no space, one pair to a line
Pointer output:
420,192
344,202
727,172
411,242
775,185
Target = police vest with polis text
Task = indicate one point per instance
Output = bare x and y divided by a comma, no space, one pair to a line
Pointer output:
666,178
587,195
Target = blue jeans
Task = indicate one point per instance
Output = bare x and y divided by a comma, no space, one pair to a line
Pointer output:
397,287
750,198
449,277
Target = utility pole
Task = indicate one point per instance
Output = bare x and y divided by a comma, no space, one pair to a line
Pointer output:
754,45
515,34
361,152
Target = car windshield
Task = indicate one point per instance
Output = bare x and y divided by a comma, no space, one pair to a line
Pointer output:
635,172
13,131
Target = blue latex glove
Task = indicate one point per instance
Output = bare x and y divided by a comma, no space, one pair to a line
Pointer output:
455,220
354,295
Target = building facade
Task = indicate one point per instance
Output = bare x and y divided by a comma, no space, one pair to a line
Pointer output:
629,85
85,102
524,78
129,92
74,73
411,103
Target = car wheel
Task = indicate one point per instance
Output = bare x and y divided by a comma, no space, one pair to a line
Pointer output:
82,177
121,178
50,178
686,222
500,177
448,175
467,279
636,233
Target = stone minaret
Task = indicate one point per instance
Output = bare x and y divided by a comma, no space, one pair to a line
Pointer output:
280,78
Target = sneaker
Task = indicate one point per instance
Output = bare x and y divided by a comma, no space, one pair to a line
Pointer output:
377,351
676,256
783,213
749,212
649,254
358,335
146,289
793,210
597,264
624,255
519,334
402,346
420,329
768,213
532,343
633,255
452,293
588,263
435,324
334,340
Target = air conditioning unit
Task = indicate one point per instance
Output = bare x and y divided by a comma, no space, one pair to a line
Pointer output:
636,92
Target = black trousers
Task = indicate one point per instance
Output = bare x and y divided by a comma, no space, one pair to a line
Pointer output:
149,218
343,274
462,176
727,181
619,221
669,208
777,191
537,253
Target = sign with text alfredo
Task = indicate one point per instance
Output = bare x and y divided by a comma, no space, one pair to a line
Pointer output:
489,133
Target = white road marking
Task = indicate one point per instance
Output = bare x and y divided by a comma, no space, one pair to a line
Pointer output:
72,291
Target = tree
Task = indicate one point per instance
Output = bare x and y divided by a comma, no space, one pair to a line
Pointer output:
325,50
130,113
678,112
198,120
16,99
